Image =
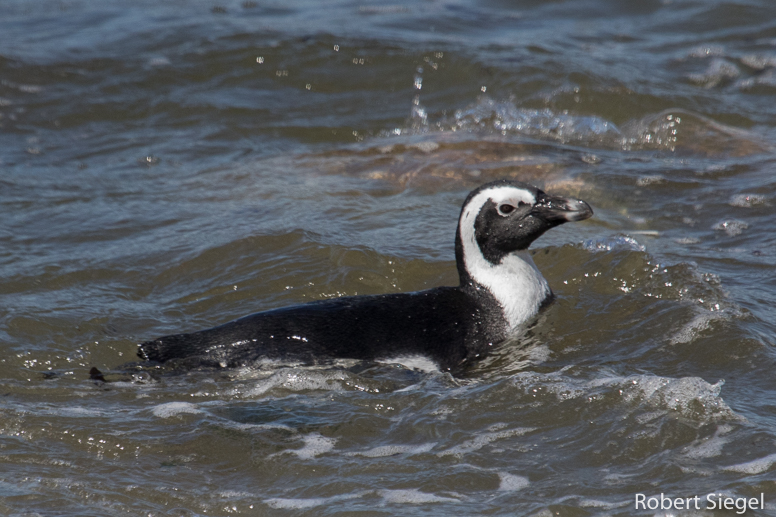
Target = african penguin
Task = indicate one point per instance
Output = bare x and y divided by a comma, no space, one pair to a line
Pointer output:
500,289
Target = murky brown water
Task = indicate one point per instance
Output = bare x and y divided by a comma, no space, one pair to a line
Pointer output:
169,167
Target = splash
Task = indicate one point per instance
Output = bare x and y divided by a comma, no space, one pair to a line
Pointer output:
506,117
671,130
691,397
619,242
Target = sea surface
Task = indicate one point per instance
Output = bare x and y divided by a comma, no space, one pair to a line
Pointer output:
170,166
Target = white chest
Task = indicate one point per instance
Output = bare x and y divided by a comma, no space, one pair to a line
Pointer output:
516,283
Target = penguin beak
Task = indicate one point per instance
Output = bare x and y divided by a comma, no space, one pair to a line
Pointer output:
558,210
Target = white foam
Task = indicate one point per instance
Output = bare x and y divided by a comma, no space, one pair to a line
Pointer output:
709,447
234,494
300,380
563,388
413,362
413,496
754,467
80,411
393,450
481,440
747,200
241,426
426,147
171,409
732,227
685,395
619,242
299,504
315,444
690,396
595,503
511,482
538,354
644,181
696,326
295,504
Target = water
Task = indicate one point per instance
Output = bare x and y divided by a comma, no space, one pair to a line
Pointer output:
172,166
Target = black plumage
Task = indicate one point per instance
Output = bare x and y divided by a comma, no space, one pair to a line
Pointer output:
449,325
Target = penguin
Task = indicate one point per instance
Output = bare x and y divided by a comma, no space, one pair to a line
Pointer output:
500,289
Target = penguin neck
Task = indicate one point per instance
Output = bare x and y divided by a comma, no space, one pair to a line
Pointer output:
515,282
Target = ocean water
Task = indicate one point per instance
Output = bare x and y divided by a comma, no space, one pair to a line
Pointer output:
170,166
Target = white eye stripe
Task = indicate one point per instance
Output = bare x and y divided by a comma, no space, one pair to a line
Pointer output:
515,200
509,196
506,195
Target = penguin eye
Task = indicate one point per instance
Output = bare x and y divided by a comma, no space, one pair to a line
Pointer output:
505,209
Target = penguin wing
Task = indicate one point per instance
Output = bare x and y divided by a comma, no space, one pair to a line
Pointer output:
437,323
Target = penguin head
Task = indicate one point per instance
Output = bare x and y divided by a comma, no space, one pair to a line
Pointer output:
504,217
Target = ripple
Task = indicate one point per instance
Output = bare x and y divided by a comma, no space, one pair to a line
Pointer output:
690,396
171,409
757,466
415,496
718,72
481,440
732,227
654,179
747,200
394,450
314,445
619,242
